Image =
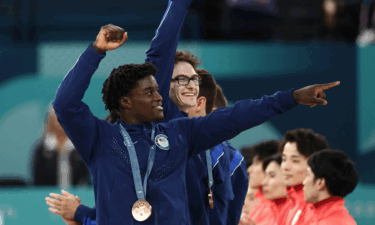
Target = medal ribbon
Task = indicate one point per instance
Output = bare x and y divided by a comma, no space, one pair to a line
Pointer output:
209,168
139,189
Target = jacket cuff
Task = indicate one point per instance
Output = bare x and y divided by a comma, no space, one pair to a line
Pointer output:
92,57
286,99
82,212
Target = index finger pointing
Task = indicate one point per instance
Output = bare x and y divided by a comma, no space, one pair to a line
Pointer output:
330,85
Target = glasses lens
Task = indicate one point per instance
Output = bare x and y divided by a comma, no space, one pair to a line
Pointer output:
183,81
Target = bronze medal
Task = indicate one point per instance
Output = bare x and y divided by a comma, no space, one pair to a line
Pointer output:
141,210
210,199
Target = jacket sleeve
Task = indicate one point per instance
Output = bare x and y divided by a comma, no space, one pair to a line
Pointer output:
240,182
225,123
73,115
83,212
163,50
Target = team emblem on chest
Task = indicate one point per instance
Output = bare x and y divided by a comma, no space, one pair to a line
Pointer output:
162,142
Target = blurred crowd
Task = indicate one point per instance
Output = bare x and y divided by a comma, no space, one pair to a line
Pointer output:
327,20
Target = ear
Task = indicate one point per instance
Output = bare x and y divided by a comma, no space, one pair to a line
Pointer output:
201,103
125,102
321,182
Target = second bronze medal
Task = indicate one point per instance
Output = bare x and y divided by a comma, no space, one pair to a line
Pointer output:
210,199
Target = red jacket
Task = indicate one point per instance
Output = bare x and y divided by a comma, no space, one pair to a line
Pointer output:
266,212
326,212
296,204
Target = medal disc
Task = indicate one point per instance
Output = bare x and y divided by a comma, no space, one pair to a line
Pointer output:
210,199
141,210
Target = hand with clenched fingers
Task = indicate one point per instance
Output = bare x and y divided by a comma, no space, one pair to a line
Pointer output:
109,38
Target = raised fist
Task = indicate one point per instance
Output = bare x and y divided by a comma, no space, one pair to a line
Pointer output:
109,38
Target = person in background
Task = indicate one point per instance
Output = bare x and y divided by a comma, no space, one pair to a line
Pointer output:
296,148
274,191
249,196
55,160
330,176
261,151
238,174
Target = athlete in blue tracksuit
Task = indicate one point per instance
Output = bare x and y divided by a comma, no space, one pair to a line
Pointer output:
240,182
162,53
100,144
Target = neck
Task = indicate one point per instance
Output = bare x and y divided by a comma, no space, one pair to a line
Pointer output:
194,113
128,119
184,108
200,113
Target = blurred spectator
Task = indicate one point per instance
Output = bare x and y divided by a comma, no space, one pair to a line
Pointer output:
18,25
367,24
20,31
5,9
340,21
55,160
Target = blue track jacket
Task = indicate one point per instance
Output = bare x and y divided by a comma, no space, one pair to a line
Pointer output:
100,145
240,182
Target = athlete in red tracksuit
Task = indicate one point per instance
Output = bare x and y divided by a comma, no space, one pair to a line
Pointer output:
329,178
273,198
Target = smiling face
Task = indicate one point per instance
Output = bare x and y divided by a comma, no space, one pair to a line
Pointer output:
256,174
184,96
293,165
145,101
273,184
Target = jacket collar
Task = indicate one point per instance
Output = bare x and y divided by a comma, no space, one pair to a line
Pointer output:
328,202
135,127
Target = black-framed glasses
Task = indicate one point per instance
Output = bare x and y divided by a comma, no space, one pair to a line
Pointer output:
184,80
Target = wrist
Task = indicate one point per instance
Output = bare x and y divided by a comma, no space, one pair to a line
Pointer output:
295,95
98,50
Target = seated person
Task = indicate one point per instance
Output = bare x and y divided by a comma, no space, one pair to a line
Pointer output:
53,154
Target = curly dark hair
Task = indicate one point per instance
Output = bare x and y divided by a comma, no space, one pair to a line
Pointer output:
122,80
186,56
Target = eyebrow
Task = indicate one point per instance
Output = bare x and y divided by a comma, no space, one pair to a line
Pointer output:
150,88
271,172
292,156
